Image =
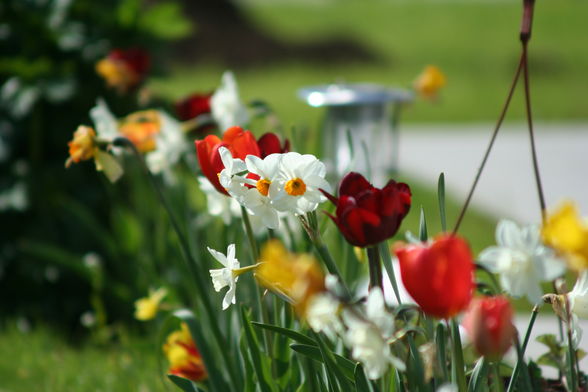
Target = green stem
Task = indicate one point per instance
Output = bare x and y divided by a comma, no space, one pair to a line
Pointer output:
199,283
262,311
325,255
375,267
457,365
497,384
441,351
517,368
527,386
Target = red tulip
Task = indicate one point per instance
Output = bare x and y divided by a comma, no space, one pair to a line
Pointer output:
440,276
488,322
367,215
193,106
238,141
269,143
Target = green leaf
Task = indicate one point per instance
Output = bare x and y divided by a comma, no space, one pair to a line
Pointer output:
361,382
479,376
387,261
249,384
423,226
313,352
260,362
217,381
184,384
165,20
128,230
441,198
296,336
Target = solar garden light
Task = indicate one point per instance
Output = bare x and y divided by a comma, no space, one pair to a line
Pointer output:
360,131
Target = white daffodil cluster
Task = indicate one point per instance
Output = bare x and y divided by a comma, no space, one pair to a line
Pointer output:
365,331
167,142
279,183
521,260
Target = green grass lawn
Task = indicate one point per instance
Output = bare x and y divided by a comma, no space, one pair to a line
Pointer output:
41,360
475,43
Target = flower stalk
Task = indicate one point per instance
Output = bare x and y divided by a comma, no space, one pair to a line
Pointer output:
375,267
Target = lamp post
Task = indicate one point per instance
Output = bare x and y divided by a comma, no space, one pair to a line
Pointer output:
360,129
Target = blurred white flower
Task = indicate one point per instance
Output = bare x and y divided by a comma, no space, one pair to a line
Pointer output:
322,315
521,260
367,336
219,204
170,142
171,145
296,186
576,332
578,297
226,276
226,106
104,121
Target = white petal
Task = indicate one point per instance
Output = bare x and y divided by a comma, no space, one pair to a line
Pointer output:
508,234
218,256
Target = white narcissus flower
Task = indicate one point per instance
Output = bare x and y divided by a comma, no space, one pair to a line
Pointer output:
226,106
322,315
256,199
367,336
521,260
170,142
226,276
296,186
578,297
227,177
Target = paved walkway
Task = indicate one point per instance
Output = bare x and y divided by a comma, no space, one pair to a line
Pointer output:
507,187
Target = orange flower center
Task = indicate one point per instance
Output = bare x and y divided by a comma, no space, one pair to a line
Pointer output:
263,186
141,129
295,187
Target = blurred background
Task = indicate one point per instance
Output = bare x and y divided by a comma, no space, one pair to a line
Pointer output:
75,252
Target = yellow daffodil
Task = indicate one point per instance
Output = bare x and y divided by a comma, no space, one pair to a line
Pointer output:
183,355
565,231
429,82
146,308
84,146
295,276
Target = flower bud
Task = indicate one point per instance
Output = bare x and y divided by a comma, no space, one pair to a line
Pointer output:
488,322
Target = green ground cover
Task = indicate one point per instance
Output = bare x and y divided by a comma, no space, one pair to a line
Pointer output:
475,43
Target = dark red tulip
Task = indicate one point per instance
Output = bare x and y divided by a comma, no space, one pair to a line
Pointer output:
193,106
269,143
439,276
488,322
367,215
238,141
